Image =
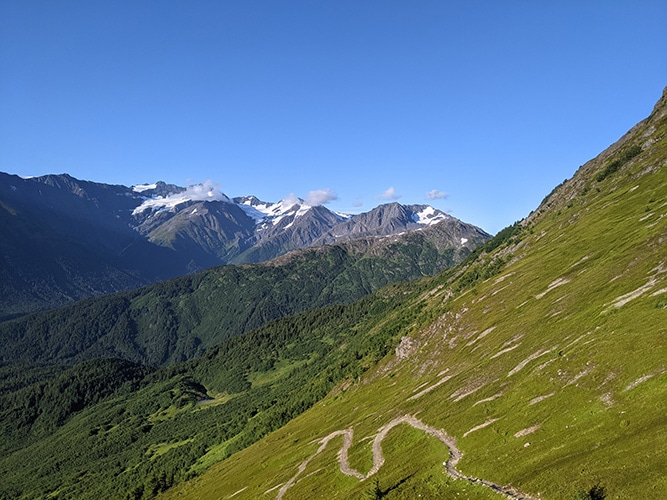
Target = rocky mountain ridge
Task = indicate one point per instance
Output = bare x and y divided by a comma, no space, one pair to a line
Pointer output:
67,239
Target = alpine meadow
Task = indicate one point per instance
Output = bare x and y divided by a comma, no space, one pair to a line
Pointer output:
391,366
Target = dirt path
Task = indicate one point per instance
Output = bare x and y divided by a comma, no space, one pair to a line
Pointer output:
378,458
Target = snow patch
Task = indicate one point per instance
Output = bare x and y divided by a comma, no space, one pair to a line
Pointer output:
206,191
429,216
464,241
140,188
254,212
273,213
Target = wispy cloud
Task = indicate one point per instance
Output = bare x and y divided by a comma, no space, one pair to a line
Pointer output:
434,194
205,191
389,194
291,200
321,197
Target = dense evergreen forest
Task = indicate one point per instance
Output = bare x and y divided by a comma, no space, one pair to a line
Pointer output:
179,319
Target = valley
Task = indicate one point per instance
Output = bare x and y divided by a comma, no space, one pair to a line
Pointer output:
534,366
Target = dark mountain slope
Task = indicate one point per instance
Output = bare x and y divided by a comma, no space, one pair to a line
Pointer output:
63,240
208,234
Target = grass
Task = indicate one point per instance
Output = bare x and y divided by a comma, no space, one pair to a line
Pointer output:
213,455
578,385
156,450
281,369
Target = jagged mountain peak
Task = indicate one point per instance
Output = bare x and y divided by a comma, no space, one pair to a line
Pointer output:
250,200
159,188
168,229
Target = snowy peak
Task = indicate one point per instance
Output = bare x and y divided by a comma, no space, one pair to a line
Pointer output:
271,214
203,226
161,197
251,201
427,215
384,220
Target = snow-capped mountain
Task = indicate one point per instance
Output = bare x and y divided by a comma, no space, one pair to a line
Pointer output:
247,229
65,238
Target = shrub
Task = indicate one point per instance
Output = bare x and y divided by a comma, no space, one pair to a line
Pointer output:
597,492
613,166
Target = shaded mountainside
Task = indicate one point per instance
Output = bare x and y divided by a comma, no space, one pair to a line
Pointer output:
65,239
539,363
178,319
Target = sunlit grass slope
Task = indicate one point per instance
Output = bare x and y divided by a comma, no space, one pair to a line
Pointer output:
545,357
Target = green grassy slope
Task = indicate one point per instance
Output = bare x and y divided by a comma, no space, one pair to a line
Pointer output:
179,319
546,359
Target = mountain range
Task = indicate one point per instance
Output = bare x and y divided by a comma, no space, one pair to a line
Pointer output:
65,239
534,369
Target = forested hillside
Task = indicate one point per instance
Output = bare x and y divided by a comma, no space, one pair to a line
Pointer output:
181,318
114,429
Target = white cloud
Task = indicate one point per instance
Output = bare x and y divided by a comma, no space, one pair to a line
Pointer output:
389,194
434,194
358,204
205,191
321,197
291,200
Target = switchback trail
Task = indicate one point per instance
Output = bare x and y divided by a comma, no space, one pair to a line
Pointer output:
378,459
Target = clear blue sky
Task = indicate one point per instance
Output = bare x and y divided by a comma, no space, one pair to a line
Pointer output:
491,102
